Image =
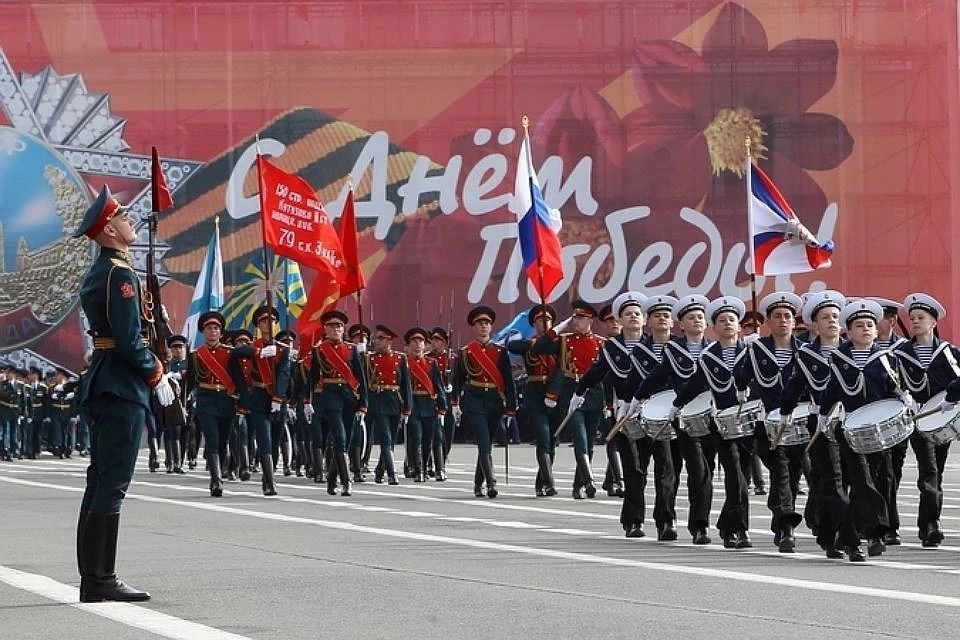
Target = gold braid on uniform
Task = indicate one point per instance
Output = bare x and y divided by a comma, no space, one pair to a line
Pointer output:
472,370
566,361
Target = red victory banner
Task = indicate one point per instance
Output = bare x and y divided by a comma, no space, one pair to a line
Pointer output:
295,224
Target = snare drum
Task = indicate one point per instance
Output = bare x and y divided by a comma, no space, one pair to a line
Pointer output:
877,426
939,428
796,431
696,416
738,421
655,414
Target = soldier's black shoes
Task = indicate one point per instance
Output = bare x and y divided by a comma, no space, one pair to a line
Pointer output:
891,539
216,491
635,531
743,540
441,476
492,492
478,491
590,490
934,535
833,553
109,590
876,547
701,537
855,554
393,481
730,540
787,542
667,532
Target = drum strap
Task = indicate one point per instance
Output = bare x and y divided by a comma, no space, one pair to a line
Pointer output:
948,354
890,372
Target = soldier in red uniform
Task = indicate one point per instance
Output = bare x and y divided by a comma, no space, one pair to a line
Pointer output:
429,402
388,401
242,375
541,370
483,386
339,394
209,378
577,350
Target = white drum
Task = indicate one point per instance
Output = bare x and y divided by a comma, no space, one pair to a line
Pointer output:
796,431
738,421
696,416
655,415
877,426
939,428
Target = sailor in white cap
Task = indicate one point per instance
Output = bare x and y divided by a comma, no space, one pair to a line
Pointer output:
715,374
928,366
765,370
887,338
679,363
862,373
807,381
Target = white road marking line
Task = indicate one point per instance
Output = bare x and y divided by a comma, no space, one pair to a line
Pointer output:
724,574
128,614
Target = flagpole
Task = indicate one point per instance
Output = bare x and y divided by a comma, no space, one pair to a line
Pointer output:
267,339
753,260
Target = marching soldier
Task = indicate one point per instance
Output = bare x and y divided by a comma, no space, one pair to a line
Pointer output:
541,370
173,430
861,373
9,408
678,364
37,400
208,377
613,476
242,373
270,372
388,404
429,400
339,395
577,351
114,393
440,351
928,365
484,391
62,409
766,368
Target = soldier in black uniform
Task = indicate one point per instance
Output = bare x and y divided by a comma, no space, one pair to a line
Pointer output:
114,393
173,432
36,402
62,409
8,413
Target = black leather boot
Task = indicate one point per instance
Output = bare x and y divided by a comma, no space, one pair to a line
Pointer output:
154,463
344,468
97,561
546,475
389,467
788,542
586,474
418,474
244,463
81,525
478,480
616,469
267,482
317,465
216,484
333,472
486,466
440,472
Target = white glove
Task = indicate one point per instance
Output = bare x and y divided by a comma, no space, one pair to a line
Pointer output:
822,423
294,354
361,420
275,407
636,407
448,388
549,403
69,396
404,420
268,351
743,395
308,412
607,413
576,401
58,387
457,413
291,414
946,405
164,391
176,375
361,347
560,328
623,407
674,412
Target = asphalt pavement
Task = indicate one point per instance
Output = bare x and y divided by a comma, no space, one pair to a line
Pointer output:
432,561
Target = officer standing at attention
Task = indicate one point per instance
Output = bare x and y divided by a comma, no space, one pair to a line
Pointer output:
114,393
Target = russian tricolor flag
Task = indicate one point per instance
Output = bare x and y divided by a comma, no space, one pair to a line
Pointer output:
538,226
779,243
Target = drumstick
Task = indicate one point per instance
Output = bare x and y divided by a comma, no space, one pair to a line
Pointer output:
660,431
926,414
813,438
617,428
778,436
563,423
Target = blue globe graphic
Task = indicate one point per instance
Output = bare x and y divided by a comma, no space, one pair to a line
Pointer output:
42,199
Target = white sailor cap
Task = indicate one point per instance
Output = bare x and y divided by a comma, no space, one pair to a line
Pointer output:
926,303
821,300
888,306
628,299
693,302
863,308
658,303
724,304
781,300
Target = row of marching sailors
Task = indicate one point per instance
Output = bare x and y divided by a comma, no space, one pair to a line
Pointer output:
711,383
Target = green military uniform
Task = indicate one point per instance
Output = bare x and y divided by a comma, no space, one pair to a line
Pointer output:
388,398
114,393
